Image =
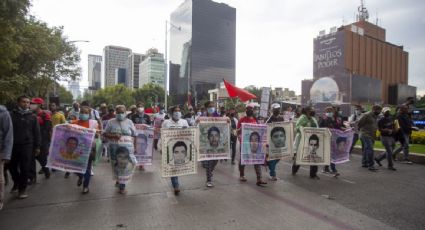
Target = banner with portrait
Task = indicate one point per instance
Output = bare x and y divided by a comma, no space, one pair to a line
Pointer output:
340,145
179,150
214,138
70,148
254,141
280,136
314,147
123,161
144,144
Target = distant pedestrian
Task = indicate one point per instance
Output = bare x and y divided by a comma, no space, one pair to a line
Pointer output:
275,117
368,125
406,125
233,133
6,144
386,128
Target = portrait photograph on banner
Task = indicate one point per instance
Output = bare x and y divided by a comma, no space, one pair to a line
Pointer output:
70,148
340,145
254,141
314,147
123,161
280,137
179,151
144,144
214,138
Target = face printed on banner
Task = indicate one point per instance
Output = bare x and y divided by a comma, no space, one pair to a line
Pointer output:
71,145
122,155
254,140
341,144
179,152
313,144
143,143
214,136
278,137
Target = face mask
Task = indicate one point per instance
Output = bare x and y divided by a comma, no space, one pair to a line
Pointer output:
199,113
161,111
340,112
256,113
33,106
120,116
84,117
141,110
177,115
211,110
329,114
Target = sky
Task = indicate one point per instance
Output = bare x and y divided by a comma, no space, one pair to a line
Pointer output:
274,38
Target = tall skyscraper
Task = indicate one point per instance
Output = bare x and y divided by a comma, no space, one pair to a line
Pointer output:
152,69
202,49
115,58
74,88
94,71
134,63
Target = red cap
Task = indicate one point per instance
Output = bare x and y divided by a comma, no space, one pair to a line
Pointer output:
37,100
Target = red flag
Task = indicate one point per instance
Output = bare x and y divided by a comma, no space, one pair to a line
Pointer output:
234,91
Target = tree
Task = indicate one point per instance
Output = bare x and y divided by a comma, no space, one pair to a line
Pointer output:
113,95
150,94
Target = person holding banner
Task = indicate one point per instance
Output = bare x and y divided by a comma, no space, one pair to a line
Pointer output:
120,132
233,133
175,122
278,137
305,120
250,119
84,121
329,121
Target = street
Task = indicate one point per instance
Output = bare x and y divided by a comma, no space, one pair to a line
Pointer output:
358,199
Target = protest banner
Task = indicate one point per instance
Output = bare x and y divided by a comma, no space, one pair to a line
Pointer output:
340,145
280,137
253,143
179,150
144,144
265,101
314,146
70,148
214,138
123,161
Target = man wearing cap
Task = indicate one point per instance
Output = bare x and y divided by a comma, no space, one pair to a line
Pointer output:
275,117
45,122
386,128
26,143
249,118
368,126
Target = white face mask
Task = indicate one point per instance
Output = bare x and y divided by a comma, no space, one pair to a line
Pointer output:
141,110
33,106
177,115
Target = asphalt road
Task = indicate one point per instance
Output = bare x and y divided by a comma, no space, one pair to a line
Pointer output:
358,199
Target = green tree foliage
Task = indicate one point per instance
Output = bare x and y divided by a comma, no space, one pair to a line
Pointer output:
113,95
32,55
254,90
64,95
421,102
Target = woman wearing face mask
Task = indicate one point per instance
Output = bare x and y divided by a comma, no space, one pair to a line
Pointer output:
85,121
175,122
115,129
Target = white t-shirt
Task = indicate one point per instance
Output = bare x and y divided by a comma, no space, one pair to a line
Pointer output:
170,123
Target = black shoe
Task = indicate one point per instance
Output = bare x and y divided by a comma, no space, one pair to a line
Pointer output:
79,182
378,162
14,189
315,177
41,171
392,168
47,174
373,169
66,175
233,162
176,191
364,166
295,169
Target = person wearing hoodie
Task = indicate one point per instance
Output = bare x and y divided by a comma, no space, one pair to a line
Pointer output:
26,143
6,143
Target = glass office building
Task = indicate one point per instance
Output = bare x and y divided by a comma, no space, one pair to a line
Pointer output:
202,49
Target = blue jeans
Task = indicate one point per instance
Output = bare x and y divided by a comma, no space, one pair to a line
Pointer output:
209,168
175,182
333,168
404,146
388,143
121,186
368,159
86,176
272,167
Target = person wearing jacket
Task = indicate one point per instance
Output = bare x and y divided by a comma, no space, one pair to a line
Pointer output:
368,126
26,143
405,131
6,143
330,121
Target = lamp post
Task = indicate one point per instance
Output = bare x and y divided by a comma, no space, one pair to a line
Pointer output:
166,60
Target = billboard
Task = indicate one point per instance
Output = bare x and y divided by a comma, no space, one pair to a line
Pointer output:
328,56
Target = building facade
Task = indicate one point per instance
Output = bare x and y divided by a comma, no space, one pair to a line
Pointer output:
152,69
202,49
133,68
355,64
115,58
74,88
94,71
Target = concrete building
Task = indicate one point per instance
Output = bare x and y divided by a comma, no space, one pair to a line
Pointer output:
74,88
202,49
94,71
114,58
152,69
133,68
356,64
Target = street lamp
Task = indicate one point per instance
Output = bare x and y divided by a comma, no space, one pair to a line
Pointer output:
166,60
54,66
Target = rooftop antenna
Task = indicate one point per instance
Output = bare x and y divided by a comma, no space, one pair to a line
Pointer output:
377,17
363,13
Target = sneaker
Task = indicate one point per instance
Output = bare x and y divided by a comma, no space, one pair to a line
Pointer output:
273,178
210,184
406,162
123,191
373,169
315,177
176,191
92,173
79,182
325,171
22,195
85,190
392,168
336,174
14,189
243,179
261,183
66,175
378,162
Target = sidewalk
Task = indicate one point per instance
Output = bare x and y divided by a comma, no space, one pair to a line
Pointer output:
416,158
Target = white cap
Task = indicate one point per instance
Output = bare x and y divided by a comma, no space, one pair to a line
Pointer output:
252,105
385,109
275,106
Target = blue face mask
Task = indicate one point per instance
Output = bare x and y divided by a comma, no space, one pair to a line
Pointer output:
84,117
120,116
177,115
211,110
329,114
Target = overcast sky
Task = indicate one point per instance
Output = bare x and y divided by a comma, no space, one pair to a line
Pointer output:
274,44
